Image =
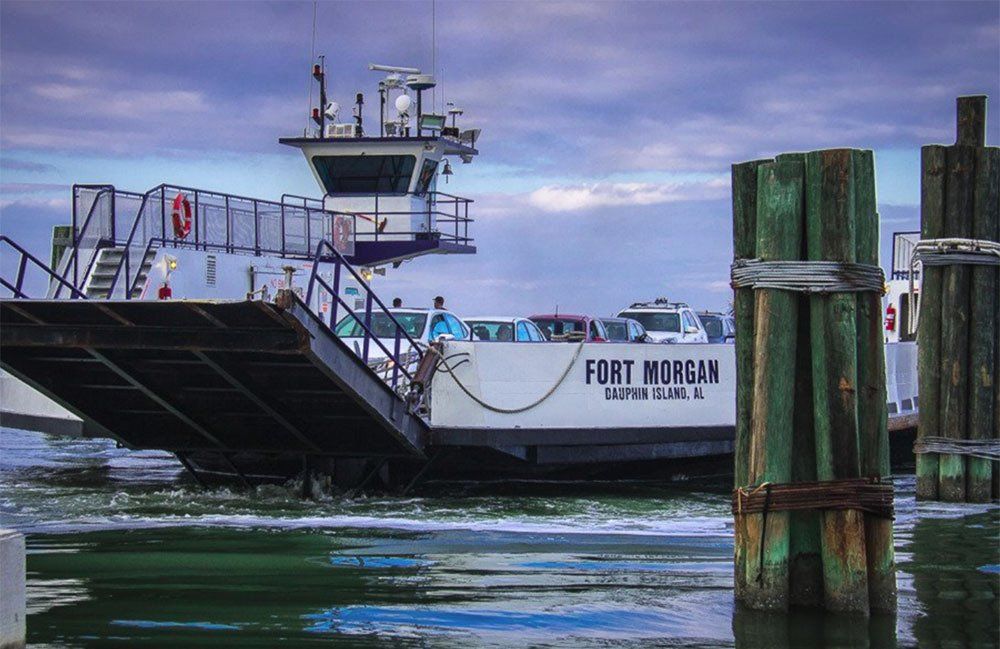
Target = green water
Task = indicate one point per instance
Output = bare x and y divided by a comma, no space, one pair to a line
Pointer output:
124,551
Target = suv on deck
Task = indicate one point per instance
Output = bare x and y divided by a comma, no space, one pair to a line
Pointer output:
720,327
667,322
559,327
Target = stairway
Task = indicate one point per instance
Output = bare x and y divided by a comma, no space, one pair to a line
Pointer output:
108,260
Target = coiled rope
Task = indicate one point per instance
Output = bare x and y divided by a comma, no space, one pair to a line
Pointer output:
987,449
448,369
807,276
945,252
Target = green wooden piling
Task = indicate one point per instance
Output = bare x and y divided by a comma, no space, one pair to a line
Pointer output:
932,192
744,181
830,228
971,122
873,432
983,324
959,201
805,569
779,237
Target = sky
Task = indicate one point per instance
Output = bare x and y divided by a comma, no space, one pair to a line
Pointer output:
608,129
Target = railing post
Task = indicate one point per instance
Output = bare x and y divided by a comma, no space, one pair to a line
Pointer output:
395,360
368,326
308,227
75,243
114,212
336,293
196,232
282,229
20,272
163,214
229,227
256,230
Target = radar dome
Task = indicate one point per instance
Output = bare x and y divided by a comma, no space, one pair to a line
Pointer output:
403,103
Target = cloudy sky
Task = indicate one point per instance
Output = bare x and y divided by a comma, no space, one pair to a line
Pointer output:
608,128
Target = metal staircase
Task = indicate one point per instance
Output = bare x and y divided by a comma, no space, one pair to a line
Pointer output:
99,282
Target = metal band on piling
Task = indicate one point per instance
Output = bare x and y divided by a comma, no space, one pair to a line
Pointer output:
811,277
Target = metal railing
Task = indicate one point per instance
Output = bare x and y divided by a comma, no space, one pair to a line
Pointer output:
442,209
326,253
225,222
291,228
17,285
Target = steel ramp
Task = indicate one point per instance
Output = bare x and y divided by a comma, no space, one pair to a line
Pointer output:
195,376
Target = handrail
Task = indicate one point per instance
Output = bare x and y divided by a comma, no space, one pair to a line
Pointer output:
74,255
128,244
457,224
340,262
22,266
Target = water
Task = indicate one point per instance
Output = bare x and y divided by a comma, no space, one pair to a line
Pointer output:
125,551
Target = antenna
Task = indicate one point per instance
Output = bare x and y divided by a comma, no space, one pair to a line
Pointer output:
434,54
312,57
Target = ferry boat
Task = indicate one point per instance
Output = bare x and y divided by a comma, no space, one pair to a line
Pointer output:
205,324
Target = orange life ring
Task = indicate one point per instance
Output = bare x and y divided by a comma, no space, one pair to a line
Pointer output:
181,216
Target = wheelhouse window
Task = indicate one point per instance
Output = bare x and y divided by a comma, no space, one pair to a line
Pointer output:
365,174
426,176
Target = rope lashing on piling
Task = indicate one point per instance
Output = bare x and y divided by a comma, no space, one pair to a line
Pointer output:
987,449
808,276
870,495
448,369
946,252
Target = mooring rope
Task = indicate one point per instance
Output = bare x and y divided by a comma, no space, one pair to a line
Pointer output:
448,369
987,449
808,276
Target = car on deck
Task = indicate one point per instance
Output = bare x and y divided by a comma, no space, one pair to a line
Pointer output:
504,329
667,322
719,327
562,327
424,326
625,330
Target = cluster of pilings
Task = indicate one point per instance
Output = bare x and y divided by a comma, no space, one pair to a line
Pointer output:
811,404
958,328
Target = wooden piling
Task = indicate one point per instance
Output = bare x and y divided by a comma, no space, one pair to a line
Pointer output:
779,237
744,182
983,324
932,192
959,201
873,433
830,232
805,564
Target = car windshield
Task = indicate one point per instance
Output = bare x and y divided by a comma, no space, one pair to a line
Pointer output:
713,325
558,326
491,330
382,326
670,322
617,331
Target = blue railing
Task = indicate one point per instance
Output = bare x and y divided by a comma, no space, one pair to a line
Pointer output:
17,285
326,253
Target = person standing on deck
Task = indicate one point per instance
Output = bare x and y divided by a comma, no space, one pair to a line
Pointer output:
438,302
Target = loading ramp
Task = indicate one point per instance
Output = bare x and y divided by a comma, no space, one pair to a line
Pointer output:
208,377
